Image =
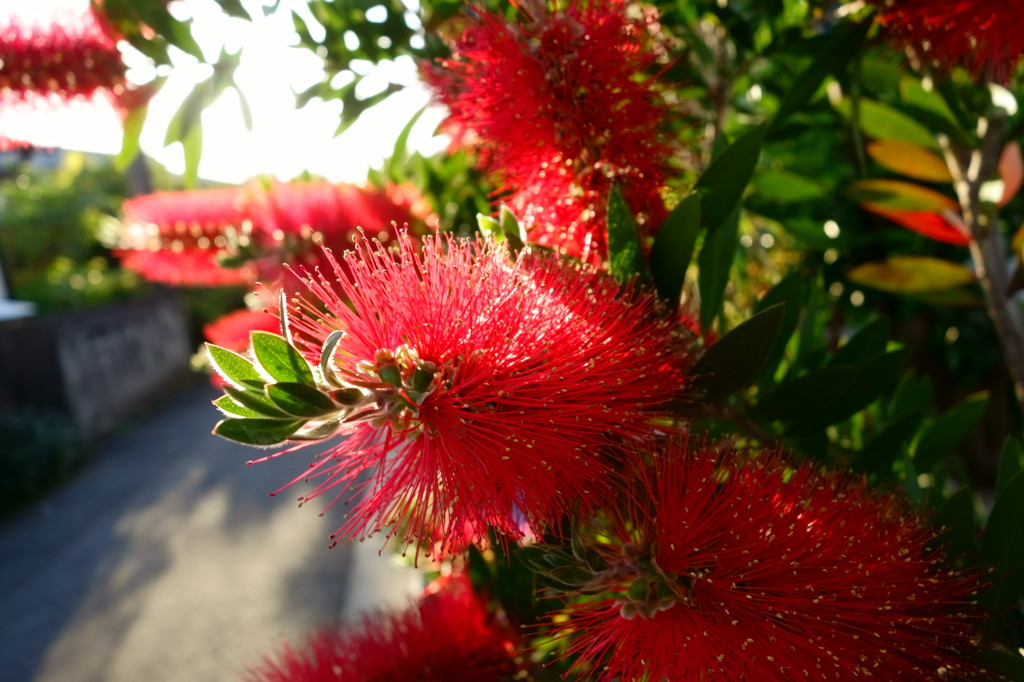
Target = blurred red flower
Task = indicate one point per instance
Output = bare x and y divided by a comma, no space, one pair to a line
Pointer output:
447,635
57,61
491,384
559,110
738,566
214,237
981,35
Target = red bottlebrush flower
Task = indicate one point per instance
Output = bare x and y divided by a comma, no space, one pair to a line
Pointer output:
490,384
559,111
55,61
981,35
447,635
738,566
186,237
177,237
300,216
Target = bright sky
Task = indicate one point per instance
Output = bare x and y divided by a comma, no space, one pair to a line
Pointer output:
283,141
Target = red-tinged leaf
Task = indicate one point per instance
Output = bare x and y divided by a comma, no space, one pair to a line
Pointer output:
907,158
911,275
897,195
931,225
1011,171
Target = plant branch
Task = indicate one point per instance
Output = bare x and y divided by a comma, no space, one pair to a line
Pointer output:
972,168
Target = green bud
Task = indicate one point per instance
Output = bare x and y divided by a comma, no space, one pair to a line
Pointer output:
390,374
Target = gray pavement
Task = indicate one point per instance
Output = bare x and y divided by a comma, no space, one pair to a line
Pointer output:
165,559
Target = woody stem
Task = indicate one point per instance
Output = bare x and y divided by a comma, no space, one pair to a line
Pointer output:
970,169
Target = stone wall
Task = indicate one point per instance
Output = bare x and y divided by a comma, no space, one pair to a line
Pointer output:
98,366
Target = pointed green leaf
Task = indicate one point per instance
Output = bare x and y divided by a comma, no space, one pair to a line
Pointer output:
792,400
673,247
790,292
956,515
722,184
869,341
230,406
260,432
1001,545
882,122
949,431
715,263
279,359
625,256
300,400
511,229
735,359
832,58
877,457
230,365
1010,462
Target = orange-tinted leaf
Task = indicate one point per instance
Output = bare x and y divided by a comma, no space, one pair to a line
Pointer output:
1011,171
931,225
896,195
911,275
909,159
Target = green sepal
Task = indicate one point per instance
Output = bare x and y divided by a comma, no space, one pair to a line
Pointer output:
262,432
300,400
279,359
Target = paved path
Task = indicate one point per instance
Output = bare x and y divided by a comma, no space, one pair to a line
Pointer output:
166,560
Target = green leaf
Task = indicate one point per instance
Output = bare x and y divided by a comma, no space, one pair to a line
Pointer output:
192,146
792,400
890,444
722,184
1006,663
882,122
257,402
625,255
911,275
786,187
300,400
897,195
673,247
232,366
871,380
257,431
910,160
869,341
832,57
230,406
279,359
957,515
133,123
949,431
1009,463
735,359
790,292
1001,545
715,263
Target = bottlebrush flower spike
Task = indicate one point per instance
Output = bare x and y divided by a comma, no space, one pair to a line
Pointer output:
301,216
981,35
738,566
486,386
178,237
447,635
55,61
559,110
